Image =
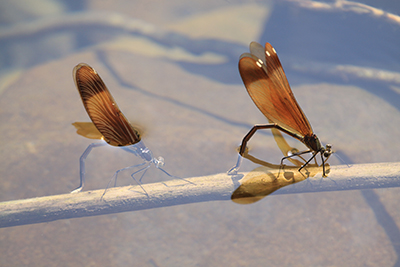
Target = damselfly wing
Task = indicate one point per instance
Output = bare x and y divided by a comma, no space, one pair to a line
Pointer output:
110,122
268,87
102,109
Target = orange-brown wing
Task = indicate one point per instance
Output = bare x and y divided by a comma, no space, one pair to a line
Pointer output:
267,85
102,109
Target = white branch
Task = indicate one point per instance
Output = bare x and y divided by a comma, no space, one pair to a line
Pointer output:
254,186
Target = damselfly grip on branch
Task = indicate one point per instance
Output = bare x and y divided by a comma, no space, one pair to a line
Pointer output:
268,87
111,123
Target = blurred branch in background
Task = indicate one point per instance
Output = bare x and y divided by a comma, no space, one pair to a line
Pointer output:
348,6
244,188
175,45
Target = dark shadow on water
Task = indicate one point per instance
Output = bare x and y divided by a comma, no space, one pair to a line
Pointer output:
337,38
343,38
384,219
103,58
380,89
265,180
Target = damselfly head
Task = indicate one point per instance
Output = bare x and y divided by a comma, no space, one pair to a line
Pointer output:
328,151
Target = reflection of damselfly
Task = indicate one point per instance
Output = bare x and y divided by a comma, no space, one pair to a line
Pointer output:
267,85
114,128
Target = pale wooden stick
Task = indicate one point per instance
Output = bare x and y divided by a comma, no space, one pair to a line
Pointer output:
252,187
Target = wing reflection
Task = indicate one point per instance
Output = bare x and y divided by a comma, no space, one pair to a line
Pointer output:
265,180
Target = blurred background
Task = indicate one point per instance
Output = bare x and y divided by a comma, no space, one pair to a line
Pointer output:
172,68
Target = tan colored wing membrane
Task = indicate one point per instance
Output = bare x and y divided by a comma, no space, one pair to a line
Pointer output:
102,109
268,87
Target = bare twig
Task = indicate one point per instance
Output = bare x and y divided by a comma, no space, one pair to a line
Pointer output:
242,188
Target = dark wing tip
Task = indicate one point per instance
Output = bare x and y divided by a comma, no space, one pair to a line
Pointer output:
102,109
78,67
85,68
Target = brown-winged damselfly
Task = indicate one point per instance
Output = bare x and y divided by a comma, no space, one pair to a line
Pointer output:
268,87
113,126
